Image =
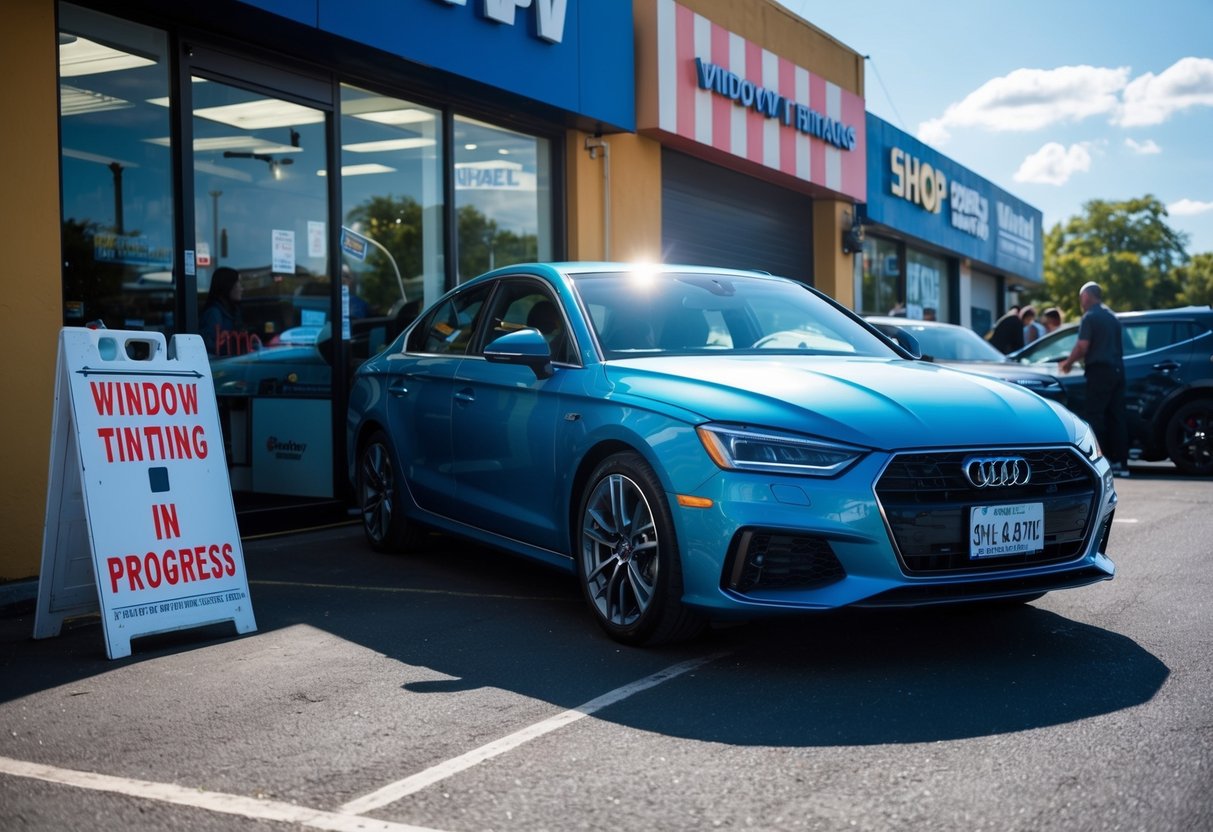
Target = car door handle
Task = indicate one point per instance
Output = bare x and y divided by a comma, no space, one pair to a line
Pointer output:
465,395
397,388
1167,366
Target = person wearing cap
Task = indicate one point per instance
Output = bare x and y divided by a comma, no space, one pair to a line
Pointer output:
1100,348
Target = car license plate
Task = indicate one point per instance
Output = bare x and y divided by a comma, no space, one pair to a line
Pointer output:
995,531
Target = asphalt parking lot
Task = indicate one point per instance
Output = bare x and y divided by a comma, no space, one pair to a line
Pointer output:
461,689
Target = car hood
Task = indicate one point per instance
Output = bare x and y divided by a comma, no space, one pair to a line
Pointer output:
876,403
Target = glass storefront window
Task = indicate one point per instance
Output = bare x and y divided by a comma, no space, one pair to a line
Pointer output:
264,294
503,201
392,213
117,173
881,277
926,286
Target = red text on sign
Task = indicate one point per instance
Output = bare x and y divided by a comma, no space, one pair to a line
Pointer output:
171,567
146,398
153,442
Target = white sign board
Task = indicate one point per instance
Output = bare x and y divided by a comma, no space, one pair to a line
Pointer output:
138,466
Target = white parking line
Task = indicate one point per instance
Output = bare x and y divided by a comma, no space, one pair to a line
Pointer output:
401,788
228,804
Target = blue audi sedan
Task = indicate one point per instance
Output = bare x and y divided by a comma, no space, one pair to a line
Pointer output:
697,444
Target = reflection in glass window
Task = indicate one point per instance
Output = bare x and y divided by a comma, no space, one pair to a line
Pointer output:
503,201
117,174
926,282
391,181
881,276
261,209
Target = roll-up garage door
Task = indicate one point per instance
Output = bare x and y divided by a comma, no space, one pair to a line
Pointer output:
713,216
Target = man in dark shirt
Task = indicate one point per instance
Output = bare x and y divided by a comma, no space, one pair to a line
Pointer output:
1100,347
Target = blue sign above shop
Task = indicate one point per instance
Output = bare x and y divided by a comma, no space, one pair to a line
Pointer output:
575,55
921,193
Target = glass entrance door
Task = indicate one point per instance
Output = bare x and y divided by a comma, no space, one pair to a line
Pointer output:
265,301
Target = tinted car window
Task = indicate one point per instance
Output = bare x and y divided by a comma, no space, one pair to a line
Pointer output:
681,313
527,304
449,327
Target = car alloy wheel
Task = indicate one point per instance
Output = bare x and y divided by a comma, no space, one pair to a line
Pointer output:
383,520
1190,438
627,559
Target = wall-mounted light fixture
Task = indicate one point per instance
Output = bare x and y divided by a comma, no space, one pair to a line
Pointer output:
852,236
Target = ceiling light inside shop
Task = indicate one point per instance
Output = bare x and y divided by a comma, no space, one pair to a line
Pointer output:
217,143
85,156
261,114
81,56
385,111
74,101
388,144
360,170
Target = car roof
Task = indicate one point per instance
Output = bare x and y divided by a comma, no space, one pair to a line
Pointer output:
897,320
1177,312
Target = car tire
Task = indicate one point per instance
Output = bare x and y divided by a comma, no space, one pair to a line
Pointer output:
627,555
387,527
1189,438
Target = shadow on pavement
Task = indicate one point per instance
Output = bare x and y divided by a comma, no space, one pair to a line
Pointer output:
485,620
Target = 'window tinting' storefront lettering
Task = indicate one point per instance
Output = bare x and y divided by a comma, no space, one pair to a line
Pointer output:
771,104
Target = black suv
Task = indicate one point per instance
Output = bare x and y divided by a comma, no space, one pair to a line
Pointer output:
1168,382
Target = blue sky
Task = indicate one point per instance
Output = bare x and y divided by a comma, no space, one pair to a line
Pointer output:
1058,102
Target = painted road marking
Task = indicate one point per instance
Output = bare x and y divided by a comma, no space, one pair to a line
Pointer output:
228,804
402,788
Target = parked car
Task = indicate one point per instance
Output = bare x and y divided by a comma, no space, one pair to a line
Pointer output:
697,443
963,349
1168,382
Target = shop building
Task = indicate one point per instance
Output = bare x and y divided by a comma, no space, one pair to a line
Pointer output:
353,163
938,236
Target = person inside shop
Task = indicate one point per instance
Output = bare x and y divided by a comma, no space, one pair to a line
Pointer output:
221,324
1007,334
1100,348
928,313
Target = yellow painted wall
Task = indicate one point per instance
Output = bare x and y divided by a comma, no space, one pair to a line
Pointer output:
635,199
31,298
833,271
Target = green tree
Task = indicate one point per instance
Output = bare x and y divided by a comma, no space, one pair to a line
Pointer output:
1127,247
1197,280
394,223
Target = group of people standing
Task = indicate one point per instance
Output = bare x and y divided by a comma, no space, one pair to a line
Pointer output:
1099,347
1020,327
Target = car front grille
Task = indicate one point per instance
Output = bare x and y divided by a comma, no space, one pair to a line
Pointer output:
926,499
763,559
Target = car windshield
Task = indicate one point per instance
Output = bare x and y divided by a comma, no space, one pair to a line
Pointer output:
653,313
953,343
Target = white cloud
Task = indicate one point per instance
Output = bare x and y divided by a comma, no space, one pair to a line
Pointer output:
1147,148
1029,99
1054,164
1152,99
1189,208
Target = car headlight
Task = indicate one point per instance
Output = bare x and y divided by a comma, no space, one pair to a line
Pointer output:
749,449
1087,443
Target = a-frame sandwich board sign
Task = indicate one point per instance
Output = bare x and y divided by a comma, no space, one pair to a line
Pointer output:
140,522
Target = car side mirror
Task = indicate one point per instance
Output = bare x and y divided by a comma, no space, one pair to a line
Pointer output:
526,347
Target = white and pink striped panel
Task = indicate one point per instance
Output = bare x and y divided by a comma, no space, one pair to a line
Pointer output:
717,121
